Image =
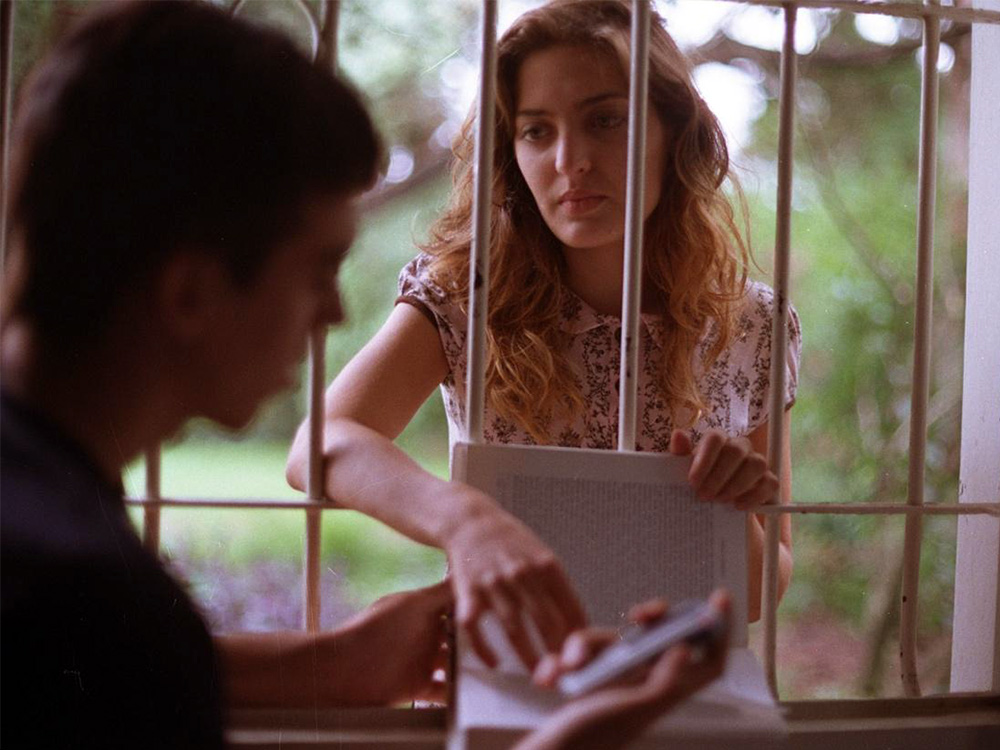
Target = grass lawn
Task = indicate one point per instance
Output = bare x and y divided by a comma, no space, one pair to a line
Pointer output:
362,558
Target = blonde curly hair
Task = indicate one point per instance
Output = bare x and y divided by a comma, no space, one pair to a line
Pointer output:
695,257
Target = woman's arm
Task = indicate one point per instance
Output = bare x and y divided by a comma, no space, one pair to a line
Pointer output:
755,524
496,562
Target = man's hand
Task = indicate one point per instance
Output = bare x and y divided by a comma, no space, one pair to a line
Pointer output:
393,648
497,564
613,716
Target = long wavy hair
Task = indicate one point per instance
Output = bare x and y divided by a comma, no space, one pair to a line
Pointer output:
695,257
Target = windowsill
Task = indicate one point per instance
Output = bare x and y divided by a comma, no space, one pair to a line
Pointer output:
953,721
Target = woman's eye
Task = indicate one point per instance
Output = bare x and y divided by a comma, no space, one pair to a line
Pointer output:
608,121
531,132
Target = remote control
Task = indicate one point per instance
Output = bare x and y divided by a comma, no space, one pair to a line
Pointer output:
695,622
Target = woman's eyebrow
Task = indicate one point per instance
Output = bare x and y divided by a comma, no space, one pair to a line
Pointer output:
590,100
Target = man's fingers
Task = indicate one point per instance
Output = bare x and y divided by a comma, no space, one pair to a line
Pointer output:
582,646
648,611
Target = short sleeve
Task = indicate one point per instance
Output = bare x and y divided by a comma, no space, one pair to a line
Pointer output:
417,288
762,308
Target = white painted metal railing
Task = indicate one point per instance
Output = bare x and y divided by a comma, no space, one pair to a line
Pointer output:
634,219
324,26
479,260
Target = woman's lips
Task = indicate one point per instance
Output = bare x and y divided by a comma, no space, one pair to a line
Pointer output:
579,203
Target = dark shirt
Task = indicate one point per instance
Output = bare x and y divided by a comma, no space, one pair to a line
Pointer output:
99,646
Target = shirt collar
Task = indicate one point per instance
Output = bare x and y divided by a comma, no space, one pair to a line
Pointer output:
579,317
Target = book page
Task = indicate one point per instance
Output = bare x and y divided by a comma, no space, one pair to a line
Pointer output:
626,526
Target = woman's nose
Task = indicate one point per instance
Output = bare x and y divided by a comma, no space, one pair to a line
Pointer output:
572,155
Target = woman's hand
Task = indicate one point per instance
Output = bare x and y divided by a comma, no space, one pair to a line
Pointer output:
497,564
615,715
726,469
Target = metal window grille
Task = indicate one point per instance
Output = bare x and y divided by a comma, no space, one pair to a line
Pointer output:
323,20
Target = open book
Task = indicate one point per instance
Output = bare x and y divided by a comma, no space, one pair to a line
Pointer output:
627,528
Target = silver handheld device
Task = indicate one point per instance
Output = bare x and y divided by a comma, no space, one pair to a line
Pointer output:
694,622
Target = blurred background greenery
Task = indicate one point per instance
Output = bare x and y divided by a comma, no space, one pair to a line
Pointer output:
853,269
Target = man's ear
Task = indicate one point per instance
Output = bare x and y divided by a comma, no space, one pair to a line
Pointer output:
189,290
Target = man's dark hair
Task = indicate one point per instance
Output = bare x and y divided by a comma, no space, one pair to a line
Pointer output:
158,124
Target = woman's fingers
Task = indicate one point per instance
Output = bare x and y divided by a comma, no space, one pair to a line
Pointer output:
746,479
506,605
705,458
549,619
525,596
468,610
759,494
680,443
729,470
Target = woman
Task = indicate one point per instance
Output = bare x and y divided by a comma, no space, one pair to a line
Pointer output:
556,289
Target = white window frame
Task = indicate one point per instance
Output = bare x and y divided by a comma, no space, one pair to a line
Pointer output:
974,701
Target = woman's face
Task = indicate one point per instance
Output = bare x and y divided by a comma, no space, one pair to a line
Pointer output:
571,143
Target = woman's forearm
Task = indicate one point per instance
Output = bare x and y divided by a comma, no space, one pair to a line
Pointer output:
365,471
755,566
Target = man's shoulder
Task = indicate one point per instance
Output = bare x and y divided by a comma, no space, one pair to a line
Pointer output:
55,503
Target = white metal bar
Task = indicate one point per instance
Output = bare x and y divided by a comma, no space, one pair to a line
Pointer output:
882,509
632,282
848,509
7,86
921,353
326,57
317,381
975,642
897,9
479,252
234,503
152,504
311,570
779,340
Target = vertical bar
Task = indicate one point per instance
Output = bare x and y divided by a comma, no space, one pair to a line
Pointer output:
314,486
7,87
921,352
632,292
975,642
151,510
779,339
479,252
326,58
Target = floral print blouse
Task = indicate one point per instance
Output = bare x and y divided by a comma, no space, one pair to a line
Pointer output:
736,387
